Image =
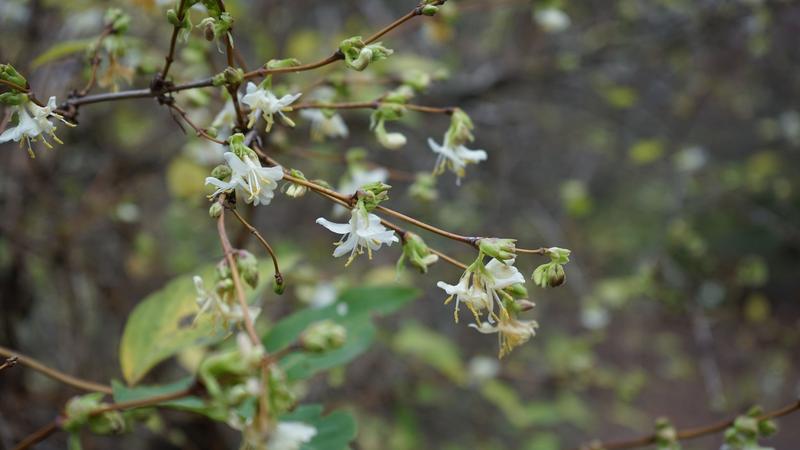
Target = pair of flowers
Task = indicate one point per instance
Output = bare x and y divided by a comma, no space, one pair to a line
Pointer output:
33,123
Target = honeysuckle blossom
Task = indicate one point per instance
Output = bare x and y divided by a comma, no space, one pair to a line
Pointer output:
324,125
455,158
364,230
33,122
212,303
512,332
252,182
262,101
481,286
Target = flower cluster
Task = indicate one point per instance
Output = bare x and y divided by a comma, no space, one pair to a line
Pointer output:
33,123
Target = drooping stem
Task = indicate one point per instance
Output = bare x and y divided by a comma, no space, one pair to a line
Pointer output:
198,130
55,374
109,28
264,243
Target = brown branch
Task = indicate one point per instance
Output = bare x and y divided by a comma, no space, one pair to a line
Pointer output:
371,105
39,435
200,131
15,86
55,374
9,363
144,402
689,433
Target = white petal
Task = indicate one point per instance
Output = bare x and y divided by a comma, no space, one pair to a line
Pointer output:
338,228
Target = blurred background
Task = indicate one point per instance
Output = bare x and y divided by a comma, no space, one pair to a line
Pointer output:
659,140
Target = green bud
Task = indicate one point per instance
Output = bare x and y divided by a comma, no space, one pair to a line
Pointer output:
524,305
517,291
429,10
281,398
218,79
400,95
323,336
282,63
233,76
747,426
296,190
559,255
224,286
549,275
14,98
502,249
215,210
221,172
211,131
78,412
417,79
172,17
767,428
237,146
417,252
9,73
247,264
372,194
460,131
392,141
278,286
666,436
118,20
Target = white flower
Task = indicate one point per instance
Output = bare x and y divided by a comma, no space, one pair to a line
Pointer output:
363,230
512,332
252,182
33,121
262,101
479,288
290,436
552,20
325,126
455,158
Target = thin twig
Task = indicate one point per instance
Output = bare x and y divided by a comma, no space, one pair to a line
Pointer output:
39,435
689,433
173,40
109,28
371,105
55,374
254,232
200,131
9,363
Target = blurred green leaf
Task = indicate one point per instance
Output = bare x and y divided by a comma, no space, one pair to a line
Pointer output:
360,334
61,50
335,431
431,348
161,325
646,151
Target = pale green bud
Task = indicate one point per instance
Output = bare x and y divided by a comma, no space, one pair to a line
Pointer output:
282,63
424,187
247,264
9,73
14,98
429,10
215,210
502,249
118,20
417,252
372,194
323,336
460,131
549,275
517,291
559,255
221,172
172,17
233,76
238,148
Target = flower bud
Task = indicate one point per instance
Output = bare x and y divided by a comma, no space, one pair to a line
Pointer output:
13,98
221,172
525,305
323,336
417,251
767,428
9,73
747,426
559,255
215,210
518,291
233,76
278,286
501,249
429,10
247,264
172,17
424,187
282,63
549,275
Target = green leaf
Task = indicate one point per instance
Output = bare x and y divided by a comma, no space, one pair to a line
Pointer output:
355,303
300,366
122,393
335,431
353,310
431,348
61,50
161,325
